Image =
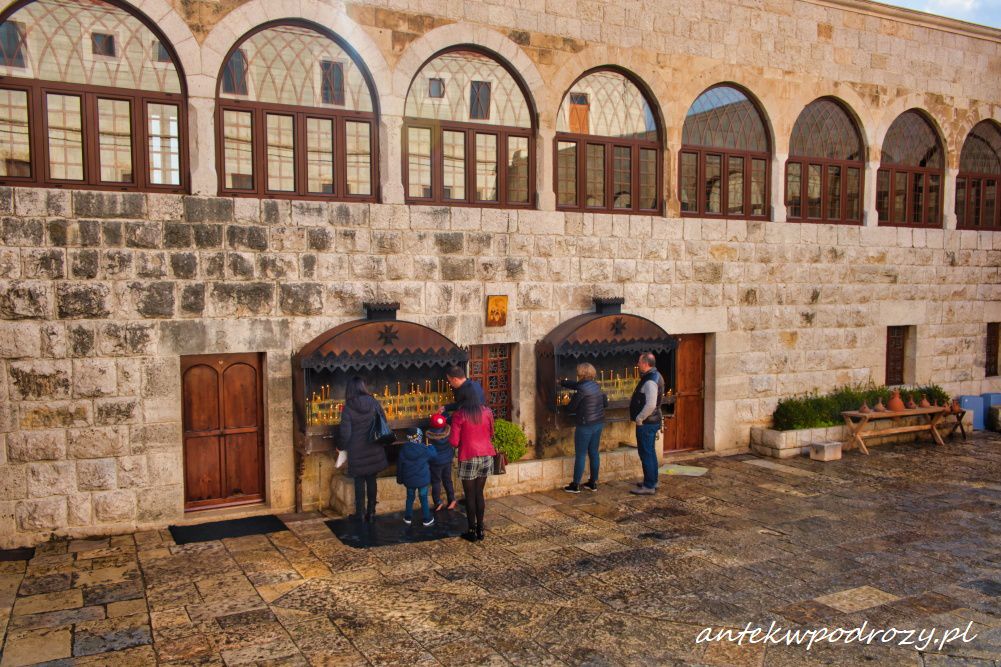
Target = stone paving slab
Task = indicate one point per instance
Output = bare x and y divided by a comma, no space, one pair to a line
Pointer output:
906,537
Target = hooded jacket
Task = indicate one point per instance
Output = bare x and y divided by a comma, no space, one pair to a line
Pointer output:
412,469
364,457
588,403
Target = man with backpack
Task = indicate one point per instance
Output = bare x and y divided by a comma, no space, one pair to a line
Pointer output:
644,411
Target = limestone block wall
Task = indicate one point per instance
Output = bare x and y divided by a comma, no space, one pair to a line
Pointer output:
101,294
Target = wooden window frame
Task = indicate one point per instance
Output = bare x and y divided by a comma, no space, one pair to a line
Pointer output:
258,113
441,87
911,173
37,90
963,222
824,164
100,40
701,153
892,332
609,144
470,130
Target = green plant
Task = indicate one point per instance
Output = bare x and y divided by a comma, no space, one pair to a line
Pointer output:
819,410
509,440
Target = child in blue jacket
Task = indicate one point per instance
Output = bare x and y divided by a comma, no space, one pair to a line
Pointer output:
441,462
413,472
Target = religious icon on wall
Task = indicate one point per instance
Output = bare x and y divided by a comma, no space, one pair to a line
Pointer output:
496,310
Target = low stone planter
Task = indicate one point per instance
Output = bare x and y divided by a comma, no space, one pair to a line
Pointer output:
521,477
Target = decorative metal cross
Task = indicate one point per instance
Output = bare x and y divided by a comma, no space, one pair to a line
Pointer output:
618,326
388,334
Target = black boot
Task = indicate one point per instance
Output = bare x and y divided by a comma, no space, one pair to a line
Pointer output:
479,533
470,535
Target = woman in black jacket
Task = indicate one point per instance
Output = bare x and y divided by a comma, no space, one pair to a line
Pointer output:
366,459
588,407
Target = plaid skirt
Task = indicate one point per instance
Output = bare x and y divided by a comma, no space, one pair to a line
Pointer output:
478,466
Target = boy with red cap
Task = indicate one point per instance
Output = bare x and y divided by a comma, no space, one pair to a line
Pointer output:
441,461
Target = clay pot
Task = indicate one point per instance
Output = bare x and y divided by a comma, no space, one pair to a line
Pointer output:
895,404
924,402
911,405
865,409
879,407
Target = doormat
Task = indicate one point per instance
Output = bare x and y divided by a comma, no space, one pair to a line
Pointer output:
389,529
7,555
220,530
688,471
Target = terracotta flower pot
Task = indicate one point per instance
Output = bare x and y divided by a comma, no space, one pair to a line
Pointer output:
865,409
924,402
879,407
895,404
911,405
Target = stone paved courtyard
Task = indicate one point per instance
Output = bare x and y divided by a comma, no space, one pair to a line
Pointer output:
908,537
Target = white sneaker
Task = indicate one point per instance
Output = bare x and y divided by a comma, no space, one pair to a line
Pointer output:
429,523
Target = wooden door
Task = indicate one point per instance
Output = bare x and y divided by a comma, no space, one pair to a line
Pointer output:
223,418
685,430
490,365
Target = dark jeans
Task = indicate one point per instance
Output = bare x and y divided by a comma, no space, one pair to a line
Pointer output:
585,444
646,446
441,475
363,483
422,493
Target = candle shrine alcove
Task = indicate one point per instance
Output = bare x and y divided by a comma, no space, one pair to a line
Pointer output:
611,341
403,365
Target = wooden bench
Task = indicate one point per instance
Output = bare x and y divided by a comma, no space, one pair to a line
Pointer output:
856,422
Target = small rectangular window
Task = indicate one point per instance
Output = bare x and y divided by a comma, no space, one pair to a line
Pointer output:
479,100
486,167
689,182
358,149
453,164
794,192
332,84
896,343
320,156
160,52
238,152
102,44
11,44
419,162
883,195
436,88
566,173
991,366
234,75
15,146
517,170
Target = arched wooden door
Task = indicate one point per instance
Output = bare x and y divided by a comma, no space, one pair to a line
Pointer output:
223,418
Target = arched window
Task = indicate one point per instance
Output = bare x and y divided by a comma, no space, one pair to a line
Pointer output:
295,117
724,134
824,170
90,97
468,134
608,151
909,181
977,183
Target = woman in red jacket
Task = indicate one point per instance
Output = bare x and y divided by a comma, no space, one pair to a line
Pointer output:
472,432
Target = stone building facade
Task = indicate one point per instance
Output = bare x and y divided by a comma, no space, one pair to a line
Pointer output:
102,293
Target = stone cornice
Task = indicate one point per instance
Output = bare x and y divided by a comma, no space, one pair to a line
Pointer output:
914,17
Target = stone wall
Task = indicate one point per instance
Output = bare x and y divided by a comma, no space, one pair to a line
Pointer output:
100,295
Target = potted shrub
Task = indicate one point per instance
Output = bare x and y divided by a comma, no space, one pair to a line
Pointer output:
510,443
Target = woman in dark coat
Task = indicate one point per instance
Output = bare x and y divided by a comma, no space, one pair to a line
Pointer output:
366,459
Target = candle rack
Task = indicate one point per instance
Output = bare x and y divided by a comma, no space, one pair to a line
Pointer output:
609,340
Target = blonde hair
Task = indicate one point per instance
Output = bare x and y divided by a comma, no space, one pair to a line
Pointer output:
586,372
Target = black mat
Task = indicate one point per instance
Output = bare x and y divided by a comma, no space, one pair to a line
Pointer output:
218,530
7,555
389,529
